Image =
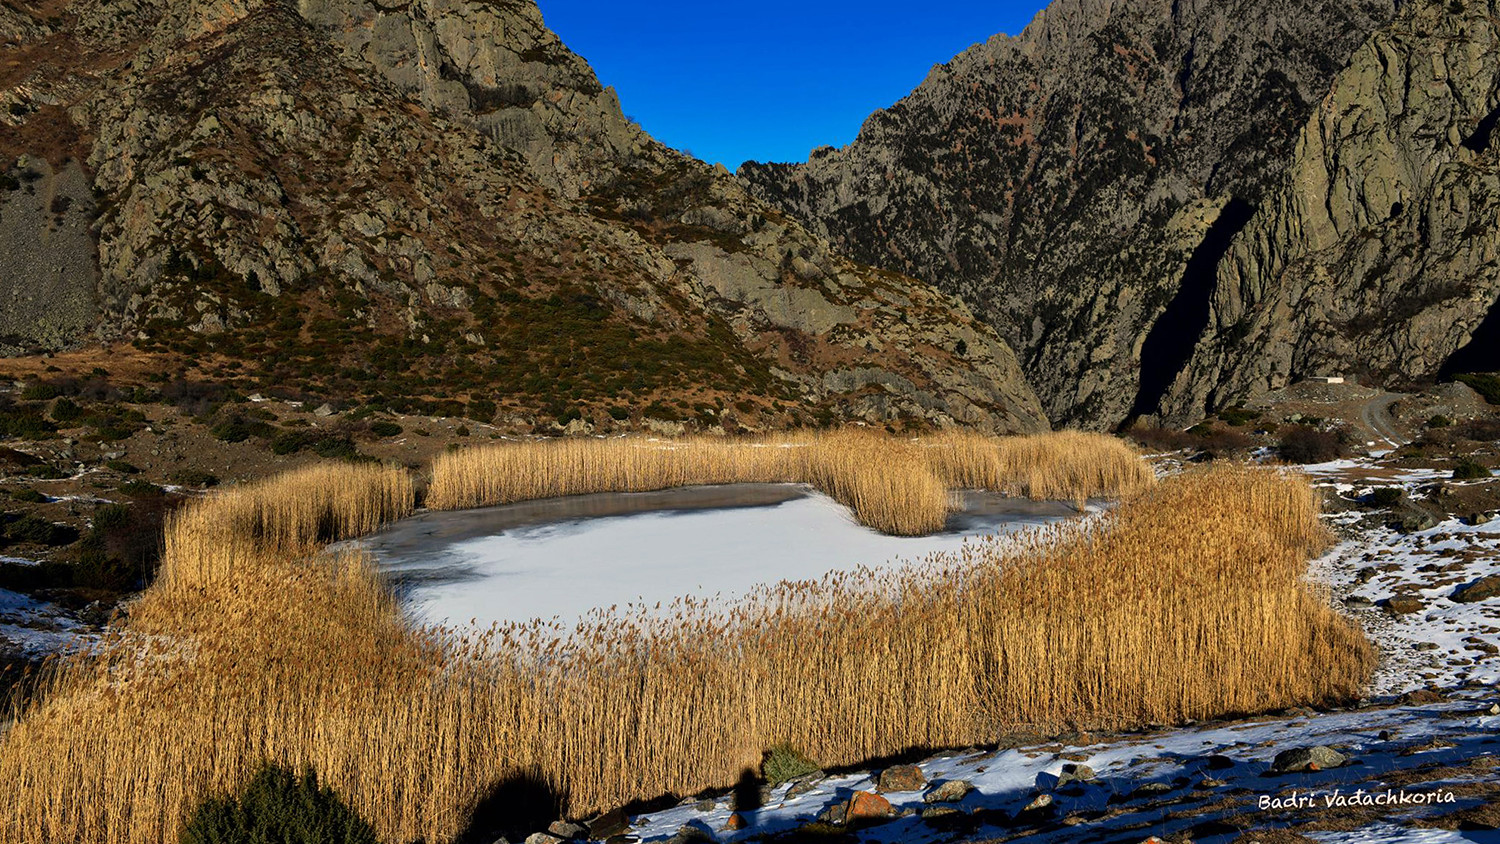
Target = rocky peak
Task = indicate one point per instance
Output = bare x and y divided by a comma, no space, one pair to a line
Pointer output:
497,66
310,194
1062,181
1377,254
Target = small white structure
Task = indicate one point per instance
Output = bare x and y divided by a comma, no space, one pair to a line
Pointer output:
1326,379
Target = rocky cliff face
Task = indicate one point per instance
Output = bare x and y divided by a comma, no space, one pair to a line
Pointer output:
1379,255
438,201
1078,184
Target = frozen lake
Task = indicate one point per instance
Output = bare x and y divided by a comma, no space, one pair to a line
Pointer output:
560,558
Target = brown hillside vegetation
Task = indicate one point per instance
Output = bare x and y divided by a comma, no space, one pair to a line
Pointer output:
896,486
256,648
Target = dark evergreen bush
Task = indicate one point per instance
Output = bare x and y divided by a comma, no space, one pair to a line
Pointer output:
278,807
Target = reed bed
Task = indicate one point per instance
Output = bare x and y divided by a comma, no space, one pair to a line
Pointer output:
1185,602
290,515
893,485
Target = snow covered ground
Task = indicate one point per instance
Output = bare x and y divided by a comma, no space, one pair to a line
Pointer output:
1207,782
33,628
522,568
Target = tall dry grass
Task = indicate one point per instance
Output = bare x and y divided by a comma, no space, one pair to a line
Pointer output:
1186,602
893,485
289,515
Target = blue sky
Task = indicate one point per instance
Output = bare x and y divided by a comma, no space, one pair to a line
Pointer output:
769,80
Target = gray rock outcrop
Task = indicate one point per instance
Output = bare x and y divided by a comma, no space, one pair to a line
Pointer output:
1076,184
47,274
1379,254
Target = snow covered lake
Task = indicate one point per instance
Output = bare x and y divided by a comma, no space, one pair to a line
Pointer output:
560,558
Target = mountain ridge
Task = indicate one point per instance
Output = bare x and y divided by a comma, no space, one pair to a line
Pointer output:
1059,181
444,195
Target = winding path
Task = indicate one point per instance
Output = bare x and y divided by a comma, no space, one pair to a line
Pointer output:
1376,414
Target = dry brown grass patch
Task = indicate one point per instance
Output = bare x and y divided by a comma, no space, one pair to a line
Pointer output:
1187,602
893,485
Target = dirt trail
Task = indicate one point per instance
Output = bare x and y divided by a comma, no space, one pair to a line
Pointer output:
1376,415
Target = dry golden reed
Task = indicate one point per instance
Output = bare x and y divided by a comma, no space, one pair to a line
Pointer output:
893,485
1185,602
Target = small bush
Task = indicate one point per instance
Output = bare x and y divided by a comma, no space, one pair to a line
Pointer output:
1479,430
110,516
1486,384
41,532
29,496
1469,469
278,807
1304,444
481,410
1439,421
123,467
233,430
462,431
782,764
40,391
1386,496
66,410
619,413
45,472
194,478
336,447
385,429
141,489
1238,416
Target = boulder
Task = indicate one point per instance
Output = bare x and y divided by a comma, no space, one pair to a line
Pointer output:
1308,759
566,830
735,823
1403,605
901,778
950,791
867,806
610,823
1074,772
1482,589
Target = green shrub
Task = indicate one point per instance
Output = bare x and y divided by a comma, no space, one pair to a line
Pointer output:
462,431
1486,384
109,516
231,431
29,496
340,447
194,478
1238,416
278,807
782,763
40,391
123,467
66,410
1305,444
141,489
1386,496
619,413
480,410
1469,469
385,429
41,532
1439,421
45,471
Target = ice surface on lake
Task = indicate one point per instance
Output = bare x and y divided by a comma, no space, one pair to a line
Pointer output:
564,568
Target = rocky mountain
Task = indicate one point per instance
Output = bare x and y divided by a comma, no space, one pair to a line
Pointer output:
1379,253
434,204
1078,184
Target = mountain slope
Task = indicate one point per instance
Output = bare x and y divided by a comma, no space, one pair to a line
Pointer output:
1077,184
439,204
1379,255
